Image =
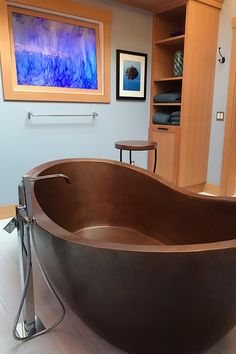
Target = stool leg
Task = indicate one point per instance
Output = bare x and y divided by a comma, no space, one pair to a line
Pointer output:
155,161
130,157
120,155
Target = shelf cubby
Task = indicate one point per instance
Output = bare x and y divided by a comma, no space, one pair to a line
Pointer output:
165,24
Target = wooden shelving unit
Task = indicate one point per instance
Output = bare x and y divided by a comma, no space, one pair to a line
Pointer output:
183,150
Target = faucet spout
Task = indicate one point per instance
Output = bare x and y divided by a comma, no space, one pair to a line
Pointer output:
57,175
27,191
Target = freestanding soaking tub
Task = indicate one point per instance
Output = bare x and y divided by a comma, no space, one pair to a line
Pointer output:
150,268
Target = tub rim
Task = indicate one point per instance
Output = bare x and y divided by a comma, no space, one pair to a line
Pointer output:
42,220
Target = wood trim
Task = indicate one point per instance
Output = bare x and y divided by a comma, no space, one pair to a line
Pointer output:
214,3
5,49
12,91
69,7
7,211
107,61
227,188
167,4
153,67
234,22
212,188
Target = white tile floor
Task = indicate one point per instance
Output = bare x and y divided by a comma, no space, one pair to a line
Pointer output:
72,336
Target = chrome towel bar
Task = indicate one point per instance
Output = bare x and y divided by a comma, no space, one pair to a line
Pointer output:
32,115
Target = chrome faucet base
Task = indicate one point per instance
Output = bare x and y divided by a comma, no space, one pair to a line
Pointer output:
24,332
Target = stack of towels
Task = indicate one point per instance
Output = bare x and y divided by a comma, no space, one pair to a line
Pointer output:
166,118
170,97
175,118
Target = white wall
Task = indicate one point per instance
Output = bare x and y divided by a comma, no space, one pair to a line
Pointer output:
24,145
221,91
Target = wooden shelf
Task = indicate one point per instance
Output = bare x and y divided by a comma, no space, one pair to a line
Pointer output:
173,78
167,104
172,41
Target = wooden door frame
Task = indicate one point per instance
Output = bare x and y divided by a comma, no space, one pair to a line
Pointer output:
226,188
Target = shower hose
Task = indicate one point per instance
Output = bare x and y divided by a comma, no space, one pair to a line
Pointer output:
26,284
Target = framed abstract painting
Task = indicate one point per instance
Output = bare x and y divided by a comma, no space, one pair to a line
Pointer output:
131,77
55,57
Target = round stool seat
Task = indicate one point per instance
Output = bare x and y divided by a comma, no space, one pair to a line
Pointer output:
136,145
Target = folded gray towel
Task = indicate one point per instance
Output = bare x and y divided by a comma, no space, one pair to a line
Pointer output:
174,119
161,118
171,97
175,123
175,114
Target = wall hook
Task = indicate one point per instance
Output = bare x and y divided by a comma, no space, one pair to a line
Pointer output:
222,59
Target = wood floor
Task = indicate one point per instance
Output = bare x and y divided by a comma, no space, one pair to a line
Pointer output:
72,336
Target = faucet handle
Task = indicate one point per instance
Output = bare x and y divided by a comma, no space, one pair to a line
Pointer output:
10,227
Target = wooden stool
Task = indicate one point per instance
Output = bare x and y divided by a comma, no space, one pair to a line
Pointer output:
136,145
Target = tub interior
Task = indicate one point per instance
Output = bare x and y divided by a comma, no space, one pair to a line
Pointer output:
114,203
118,235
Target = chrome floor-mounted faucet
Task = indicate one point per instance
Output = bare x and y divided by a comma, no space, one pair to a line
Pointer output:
24,220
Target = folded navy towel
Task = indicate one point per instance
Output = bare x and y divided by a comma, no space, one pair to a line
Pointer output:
161,118
170,97
174,119
177,33
175,114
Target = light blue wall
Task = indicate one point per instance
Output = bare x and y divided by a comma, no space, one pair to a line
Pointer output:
221,91
24,145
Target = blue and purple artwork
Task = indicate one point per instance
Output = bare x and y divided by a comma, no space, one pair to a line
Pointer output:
54,54
131,75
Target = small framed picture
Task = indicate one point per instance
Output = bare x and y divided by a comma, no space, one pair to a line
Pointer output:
131,77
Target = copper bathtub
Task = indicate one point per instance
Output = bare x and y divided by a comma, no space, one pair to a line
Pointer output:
149,267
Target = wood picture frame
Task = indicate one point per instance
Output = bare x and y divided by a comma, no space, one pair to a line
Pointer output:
131,75
76,87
